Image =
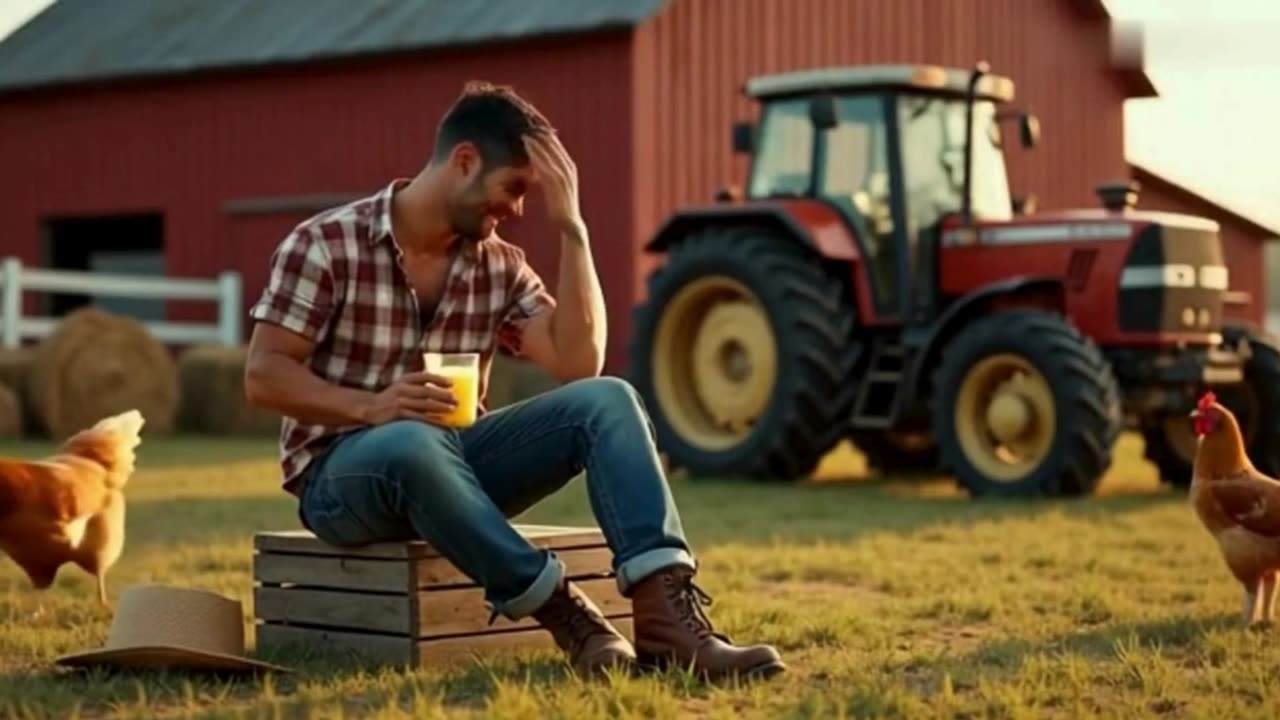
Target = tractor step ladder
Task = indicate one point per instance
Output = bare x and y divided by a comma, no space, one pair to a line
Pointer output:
877,400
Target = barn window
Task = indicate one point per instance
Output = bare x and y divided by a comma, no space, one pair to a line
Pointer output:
126,244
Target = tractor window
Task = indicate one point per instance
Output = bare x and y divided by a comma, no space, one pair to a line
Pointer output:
933,161
784,158
855,176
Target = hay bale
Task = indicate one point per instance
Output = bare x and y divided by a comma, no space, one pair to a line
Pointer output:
213,402
15,365
96,364
11,421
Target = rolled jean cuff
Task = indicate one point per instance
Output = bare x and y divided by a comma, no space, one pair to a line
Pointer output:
534,596
647,563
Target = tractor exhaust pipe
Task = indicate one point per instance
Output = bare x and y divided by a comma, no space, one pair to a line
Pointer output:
980,69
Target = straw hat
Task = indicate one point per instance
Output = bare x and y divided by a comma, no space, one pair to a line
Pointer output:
157,626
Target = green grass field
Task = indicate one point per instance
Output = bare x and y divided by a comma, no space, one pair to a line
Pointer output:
888,599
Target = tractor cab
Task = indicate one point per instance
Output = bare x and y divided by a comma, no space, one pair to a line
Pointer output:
896,150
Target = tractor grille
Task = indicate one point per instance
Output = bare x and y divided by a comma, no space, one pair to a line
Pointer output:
1174,280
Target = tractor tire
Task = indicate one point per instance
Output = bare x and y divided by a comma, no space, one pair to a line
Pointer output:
1032,378
890,454
756,293
1251,402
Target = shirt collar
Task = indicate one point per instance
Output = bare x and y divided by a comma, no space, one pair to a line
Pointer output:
380,220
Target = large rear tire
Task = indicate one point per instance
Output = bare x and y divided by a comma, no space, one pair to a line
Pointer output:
1026,407
1170,444
744,353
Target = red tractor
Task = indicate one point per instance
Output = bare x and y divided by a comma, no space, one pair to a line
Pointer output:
877,282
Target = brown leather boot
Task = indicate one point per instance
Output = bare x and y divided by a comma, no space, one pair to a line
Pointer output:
583,633
672,629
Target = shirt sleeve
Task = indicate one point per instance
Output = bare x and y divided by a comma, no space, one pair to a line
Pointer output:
300,291
527,298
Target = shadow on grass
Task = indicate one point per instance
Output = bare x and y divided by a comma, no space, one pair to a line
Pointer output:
999,659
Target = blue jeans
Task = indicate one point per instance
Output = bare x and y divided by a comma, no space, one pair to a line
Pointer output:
457,489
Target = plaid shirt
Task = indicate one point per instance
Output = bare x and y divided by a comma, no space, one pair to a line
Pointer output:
337,280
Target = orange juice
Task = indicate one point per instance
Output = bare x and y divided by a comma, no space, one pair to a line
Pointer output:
466,392
463,370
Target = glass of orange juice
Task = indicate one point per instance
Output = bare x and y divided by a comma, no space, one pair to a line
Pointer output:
463,369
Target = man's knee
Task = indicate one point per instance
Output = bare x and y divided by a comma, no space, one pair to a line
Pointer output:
607,399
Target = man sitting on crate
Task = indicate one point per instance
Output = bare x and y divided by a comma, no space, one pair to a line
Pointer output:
357,293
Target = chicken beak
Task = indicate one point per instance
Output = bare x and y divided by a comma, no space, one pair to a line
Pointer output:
1193,414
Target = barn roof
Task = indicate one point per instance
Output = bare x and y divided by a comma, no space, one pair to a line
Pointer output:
82,40
88,40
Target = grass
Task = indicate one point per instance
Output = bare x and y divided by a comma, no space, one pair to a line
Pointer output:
887,598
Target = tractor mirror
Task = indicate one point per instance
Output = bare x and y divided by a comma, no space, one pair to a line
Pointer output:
743,137
1029,129
822,111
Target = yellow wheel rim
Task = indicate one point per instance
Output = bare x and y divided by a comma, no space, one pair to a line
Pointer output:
1004,416
715,362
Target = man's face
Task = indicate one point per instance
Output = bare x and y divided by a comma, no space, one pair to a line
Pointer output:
483,198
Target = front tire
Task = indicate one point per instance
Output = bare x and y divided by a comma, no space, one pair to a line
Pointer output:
1026,407
744,353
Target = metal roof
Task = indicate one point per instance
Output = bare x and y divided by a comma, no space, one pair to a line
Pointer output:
920,77
83,40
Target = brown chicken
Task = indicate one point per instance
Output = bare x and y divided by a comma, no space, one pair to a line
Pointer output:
70,507
1239,506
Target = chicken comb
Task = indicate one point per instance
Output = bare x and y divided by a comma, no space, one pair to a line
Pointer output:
1206,400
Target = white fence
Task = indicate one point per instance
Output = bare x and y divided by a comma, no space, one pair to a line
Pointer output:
15,279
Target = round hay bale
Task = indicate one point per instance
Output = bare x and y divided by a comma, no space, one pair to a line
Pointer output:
11,421
97,363
15,365
213,401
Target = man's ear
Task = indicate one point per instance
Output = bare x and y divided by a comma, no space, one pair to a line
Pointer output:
465,158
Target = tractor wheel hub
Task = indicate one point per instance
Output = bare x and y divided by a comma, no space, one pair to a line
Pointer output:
733,360
1008,416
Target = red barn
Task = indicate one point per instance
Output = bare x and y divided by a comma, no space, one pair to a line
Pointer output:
187,137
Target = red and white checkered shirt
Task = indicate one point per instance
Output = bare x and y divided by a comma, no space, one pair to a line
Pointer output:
337,280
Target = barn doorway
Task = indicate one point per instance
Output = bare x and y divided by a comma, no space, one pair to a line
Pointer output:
129,244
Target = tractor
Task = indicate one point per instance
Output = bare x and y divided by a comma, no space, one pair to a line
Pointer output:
875,281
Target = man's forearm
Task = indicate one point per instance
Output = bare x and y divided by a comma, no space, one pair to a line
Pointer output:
278,382
580,329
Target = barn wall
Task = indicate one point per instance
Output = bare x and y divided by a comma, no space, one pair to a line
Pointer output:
190,146
1242,247
692,60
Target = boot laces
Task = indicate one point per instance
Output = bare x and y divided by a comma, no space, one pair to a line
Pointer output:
570,610
689,600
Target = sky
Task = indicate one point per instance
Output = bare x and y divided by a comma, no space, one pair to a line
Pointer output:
1216,65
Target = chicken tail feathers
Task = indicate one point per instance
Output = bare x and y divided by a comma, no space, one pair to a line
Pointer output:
111,442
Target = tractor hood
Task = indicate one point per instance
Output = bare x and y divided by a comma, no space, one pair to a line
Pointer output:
1077,226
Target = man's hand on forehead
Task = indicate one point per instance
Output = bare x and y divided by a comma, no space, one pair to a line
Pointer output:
557,174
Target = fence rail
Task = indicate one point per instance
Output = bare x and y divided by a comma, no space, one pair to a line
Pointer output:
15,279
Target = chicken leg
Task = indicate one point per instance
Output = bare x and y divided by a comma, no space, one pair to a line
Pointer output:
1259,601
1269,597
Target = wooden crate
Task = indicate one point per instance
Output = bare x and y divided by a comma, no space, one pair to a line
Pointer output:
402,603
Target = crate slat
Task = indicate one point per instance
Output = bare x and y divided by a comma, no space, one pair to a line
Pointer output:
403,651
438,612
303,541
322,571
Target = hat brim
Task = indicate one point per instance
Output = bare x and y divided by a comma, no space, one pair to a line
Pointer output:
168,658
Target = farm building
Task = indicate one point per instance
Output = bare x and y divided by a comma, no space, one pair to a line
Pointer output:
187,137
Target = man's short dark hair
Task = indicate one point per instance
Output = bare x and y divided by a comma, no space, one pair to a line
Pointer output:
495,119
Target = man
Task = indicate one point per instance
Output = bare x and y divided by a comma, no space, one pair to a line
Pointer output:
357,293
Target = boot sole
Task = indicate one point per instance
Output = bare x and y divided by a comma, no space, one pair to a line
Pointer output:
662,663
